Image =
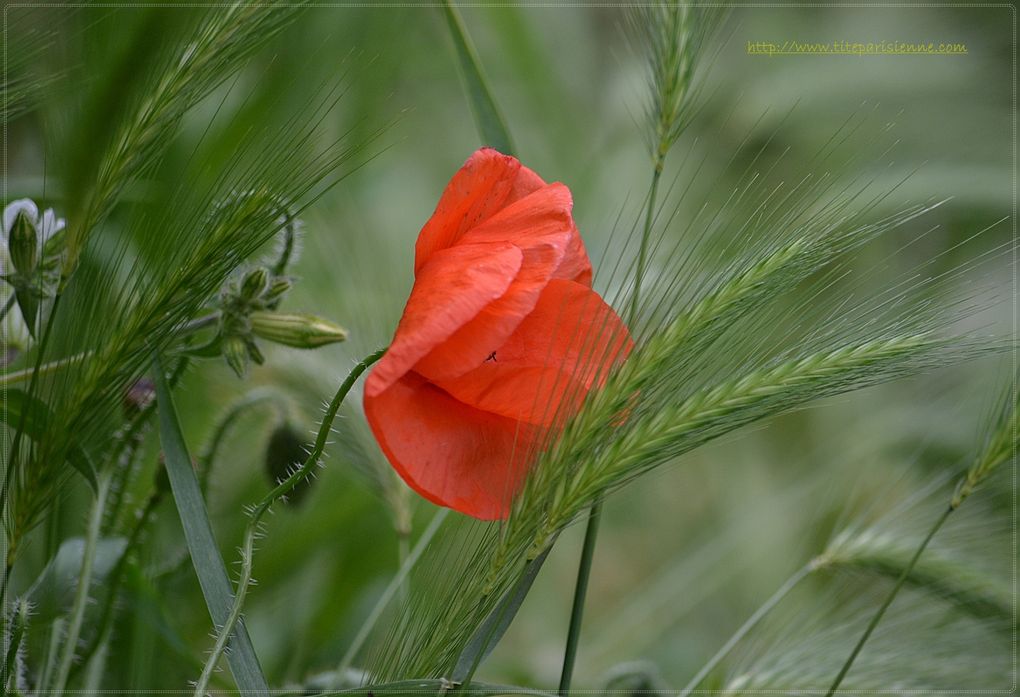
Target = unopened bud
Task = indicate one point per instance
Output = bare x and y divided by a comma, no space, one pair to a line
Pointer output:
296,330
24,243
286,451
235,351
255,283
254,353
278,287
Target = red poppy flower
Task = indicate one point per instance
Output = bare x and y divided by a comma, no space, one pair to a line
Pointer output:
501,338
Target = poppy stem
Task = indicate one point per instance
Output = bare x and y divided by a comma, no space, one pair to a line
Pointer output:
580,592
252,529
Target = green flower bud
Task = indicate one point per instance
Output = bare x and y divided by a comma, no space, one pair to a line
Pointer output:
285,451
254,353
235,351
255,283
24,243
296,330
278,287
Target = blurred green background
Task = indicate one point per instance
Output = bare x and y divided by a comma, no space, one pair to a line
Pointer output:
689,552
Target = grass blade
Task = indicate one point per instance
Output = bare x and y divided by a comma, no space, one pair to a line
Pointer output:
492,629
491,124
212,572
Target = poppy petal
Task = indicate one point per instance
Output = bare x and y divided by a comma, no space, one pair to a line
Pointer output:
487,183
541,374
450,290
450,453
541,225
576,266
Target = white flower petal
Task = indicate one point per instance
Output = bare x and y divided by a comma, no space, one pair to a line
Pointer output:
51,225
15,207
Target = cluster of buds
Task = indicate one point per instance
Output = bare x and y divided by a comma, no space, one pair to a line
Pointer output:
248,306
35,244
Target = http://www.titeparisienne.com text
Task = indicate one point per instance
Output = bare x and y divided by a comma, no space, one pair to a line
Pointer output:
855,48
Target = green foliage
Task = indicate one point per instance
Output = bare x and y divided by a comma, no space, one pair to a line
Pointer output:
205,556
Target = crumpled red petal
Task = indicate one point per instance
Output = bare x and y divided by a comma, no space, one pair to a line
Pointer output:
541,374
541,226
454,287
488,182
450,453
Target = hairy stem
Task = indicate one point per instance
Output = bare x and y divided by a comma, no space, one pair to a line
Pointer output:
283,488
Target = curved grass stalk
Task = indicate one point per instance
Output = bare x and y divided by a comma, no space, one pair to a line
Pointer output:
251,400
886,603
750,624
971,592
1002,446
284,487
81,596
396,583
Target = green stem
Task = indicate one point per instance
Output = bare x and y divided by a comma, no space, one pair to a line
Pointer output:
284,487
395,584
580,592
105,622
646,233
592,530
888,601
750,624
252,399
17,376
77,616
7,307
18,435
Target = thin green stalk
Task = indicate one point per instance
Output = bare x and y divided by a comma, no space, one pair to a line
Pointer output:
592,530
13,456
580,592
888,601
750,624
77,615
17,376
50,653
646,233
284,487
105,622
395,584
7,307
